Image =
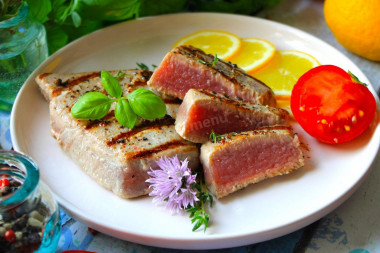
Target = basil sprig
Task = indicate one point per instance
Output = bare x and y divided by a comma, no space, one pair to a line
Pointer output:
140,102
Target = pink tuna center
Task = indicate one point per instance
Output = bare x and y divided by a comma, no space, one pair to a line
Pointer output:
179,77
238,163
204,118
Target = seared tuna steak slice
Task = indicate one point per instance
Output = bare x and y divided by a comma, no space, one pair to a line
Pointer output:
116,157
239,159
202,112
184,68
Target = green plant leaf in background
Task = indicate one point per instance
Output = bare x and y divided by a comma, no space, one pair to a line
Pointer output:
247,7
67,20
109,10
56,37
77,20
40,9
154,7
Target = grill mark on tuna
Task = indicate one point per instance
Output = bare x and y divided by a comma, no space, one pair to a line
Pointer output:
42,76
75,81
175,101
150,152
106,120
156,124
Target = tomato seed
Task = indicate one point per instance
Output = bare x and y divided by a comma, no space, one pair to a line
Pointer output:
354,119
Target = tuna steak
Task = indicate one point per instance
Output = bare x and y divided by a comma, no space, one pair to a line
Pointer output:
239,159
186,67
202,112
116,157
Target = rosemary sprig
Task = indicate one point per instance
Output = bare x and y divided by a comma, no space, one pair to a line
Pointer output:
119,75
198,214
144,66
209,63
215,137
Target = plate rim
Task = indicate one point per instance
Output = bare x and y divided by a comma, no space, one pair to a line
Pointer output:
205,244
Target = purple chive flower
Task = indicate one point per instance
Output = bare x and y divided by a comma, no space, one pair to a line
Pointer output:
172,183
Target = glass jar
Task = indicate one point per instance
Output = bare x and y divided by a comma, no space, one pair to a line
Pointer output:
22,48
29,215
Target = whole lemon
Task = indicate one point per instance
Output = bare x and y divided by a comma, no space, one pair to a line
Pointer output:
356,25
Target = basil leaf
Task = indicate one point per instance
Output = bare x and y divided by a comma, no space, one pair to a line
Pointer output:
124,114
110,83
92,105
146,104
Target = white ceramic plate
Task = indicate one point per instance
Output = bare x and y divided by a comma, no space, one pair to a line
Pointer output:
260,212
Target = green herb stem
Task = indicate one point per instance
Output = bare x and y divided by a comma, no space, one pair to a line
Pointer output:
210,63
198,213
356,79
215,137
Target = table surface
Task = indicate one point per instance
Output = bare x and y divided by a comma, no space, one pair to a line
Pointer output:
353,227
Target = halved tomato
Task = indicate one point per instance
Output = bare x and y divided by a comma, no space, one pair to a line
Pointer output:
332,105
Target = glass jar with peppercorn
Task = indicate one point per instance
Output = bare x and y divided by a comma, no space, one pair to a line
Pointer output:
29,215
23,47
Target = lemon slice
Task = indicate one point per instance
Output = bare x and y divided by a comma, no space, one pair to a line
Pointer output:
253,54
222,43
285,68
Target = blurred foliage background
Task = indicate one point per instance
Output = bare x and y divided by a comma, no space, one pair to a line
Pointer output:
67,20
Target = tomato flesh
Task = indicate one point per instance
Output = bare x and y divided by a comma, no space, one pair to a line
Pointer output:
331,106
